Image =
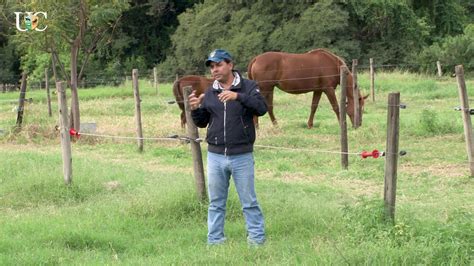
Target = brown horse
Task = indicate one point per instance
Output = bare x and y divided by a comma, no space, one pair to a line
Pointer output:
317,71
198,83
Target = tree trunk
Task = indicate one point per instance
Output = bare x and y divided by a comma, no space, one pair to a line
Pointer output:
75,115
54,68
21,103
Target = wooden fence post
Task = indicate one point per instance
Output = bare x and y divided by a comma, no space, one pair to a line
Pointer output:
177,77
466,116
342,118
46,82
391,156
440,72
138,114
155,80
64,133
355,93
193,134
21,103
372,79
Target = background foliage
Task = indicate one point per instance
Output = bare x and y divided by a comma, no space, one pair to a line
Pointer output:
177,35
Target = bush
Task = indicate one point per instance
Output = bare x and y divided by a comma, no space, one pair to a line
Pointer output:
450,51
429,122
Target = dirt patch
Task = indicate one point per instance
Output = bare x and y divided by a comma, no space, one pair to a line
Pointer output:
358,188
436,169
112,185
353,187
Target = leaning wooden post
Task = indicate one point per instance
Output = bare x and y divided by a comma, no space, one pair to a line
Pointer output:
372,79
193,134
391,156
155,80
440,72
355,94
46,81
466,116
342,118
138,114
64,133
21,102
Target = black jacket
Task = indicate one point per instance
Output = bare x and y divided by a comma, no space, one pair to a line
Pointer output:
231,129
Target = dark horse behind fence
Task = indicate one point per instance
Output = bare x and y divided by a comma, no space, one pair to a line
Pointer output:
317,71
198,83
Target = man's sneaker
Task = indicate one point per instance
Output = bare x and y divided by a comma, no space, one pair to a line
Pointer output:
217,242
255,243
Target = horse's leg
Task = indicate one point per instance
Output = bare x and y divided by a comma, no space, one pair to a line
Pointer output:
267,93
314,107
331,94
183,120
255,121
269,98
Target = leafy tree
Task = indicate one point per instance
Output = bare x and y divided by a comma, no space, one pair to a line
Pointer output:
450,51
79,35
247,29
199,29
388,30
322,25
9,60
447,17
255,29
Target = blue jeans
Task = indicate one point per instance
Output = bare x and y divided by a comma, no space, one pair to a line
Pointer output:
219,170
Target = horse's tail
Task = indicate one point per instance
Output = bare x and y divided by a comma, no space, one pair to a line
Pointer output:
178,94
249,68
176,88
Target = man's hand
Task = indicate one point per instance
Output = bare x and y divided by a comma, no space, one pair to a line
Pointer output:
194,101
227,95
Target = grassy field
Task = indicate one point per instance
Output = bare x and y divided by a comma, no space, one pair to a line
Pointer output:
126,207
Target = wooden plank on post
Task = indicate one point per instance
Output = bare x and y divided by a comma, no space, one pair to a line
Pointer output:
46,82
193,134
466,116
355,93
155,80
64,133
440,72
391,156
138,114
342,118
372,79
21,102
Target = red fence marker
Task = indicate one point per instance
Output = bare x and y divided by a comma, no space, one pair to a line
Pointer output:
375,154
73,132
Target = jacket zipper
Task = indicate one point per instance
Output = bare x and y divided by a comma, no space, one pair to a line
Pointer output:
244,127
225,140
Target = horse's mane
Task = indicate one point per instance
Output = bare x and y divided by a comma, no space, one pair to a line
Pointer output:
326,51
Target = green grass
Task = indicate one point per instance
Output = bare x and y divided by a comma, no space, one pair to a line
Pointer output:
132,208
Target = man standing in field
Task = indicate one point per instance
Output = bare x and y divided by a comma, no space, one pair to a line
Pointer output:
227,108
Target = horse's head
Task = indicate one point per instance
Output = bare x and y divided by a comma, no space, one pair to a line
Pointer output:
350,103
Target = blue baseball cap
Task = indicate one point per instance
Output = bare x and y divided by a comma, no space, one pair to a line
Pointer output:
217,56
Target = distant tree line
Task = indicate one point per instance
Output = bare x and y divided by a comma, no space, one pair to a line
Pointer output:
176,36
